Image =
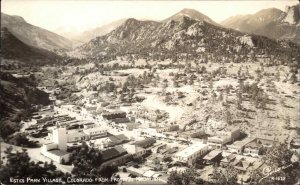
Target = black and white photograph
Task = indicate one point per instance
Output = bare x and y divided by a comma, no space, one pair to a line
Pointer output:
150,92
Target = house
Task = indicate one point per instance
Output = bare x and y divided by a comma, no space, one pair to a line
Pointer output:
115,156
130,126
139,148
238,146
96,132
157,148
217,142
134,150
213,156
227,160
191,153
57,149
242,164
254,148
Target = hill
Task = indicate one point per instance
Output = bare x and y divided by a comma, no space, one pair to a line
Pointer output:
184,37
273,23
17,98
32,35
13,48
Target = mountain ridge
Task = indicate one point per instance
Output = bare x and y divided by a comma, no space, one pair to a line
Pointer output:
272,23
33,35
185,36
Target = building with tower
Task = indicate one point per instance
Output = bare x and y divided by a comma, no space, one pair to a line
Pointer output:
57,149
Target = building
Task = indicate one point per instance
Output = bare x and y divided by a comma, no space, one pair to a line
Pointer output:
75,136
115,156
223,137
114,115
139,148
95,132
238,146
170,128
213,156
196,133
57,149
117,139
227,160
254,148
191,153
217,142
145,143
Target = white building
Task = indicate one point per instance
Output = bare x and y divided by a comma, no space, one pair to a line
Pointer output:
57,149
191,153
96,132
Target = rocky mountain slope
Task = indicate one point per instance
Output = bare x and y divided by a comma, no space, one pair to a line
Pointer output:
13,48
272,23
16,99
185,36
33,35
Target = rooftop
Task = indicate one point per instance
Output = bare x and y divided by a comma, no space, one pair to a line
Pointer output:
113,152
145,142
191,149
95,129
58,152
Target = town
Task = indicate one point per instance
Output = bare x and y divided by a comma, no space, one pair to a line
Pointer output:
181,102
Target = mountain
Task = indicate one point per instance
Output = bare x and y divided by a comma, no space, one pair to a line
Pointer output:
192,14
33,35
93,33
273,23
17,97
185,36
13,48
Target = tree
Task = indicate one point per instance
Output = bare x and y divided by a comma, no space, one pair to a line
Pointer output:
281,170
186,178
86,160
174,179
293,78
226,176
19,166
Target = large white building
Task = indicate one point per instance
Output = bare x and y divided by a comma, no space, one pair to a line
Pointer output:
191,153
57,149
96,132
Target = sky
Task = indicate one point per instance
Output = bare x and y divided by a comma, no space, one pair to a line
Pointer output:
81,15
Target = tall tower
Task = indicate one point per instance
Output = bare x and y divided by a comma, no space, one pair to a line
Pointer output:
60,138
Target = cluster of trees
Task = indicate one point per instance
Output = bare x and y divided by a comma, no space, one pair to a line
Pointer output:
88,161
186,178
282,169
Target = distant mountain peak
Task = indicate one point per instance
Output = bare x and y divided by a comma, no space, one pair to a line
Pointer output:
271,22
192,14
